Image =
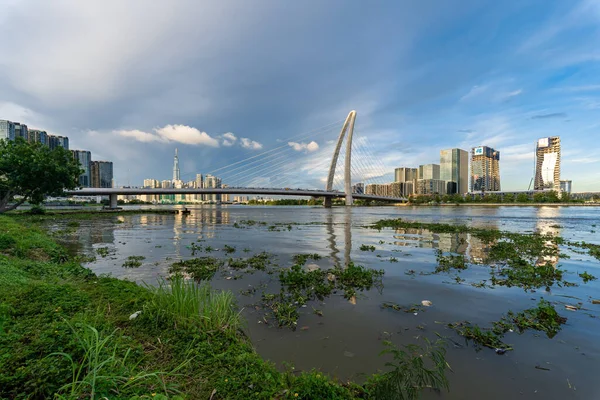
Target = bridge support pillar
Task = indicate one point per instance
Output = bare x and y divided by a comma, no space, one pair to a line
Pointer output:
113,201
327,202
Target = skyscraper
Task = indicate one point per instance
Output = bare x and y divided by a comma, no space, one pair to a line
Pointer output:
485,169
176,167
101,174
21,131
454,167
547,164
58,141
85,158
429,171
7,130
36,135
405,174
211,181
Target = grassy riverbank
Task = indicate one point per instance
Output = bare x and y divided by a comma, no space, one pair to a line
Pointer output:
67,332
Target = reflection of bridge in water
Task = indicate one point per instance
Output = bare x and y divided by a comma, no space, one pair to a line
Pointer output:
328,194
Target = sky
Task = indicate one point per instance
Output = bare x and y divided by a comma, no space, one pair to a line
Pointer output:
224,81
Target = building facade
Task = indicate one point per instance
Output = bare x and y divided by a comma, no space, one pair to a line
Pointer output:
566,186
21,131
176,176
85,158
58,141
429,171
454,167
547,164
7,130
358,188
431,186
212,182
38,136
406,174
485,169
101,174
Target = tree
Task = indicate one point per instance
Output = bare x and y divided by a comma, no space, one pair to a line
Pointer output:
508,198
31,171
522,198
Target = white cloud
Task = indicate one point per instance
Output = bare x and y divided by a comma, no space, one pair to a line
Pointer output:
474,92
308,147
250,144
172,133
140,136
229,139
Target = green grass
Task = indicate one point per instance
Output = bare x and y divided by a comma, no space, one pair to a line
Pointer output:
66,333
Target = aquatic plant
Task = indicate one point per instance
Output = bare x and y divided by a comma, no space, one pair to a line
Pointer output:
365,247
301,259
133,261
200,269
587,277
449,261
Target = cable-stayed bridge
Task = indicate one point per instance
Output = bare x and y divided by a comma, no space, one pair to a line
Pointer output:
280,172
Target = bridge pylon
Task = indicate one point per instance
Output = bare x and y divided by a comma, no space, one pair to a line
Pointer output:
348,128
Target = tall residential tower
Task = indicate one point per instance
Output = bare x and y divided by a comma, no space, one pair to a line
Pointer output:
485,169
176,168
547,164
454,167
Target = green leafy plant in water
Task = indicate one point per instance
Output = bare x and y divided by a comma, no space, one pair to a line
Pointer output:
301,259
365,247
200,269
541,318
133,262
228,249
103,251
450,261
414,369
587,277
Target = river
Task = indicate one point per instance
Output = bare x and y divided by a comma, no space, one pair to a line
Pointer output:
346,340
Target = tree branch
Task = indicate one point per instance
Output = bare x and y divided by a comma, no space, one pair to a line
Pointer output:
3,207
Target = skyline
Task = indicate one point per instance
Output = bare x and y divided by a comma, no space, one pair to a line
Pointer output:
461,75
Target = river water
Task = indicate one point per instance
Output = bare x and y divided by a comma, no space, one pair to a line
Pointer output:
346,341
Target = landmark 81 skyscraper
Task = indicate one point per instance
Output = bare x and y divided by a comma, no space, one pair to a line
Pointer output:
176,167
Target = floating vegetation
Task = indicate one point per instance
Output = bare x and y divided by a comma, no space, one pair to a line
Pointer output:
415,308
300,286
301,259
133,262
364,247
103,251
587,277
200,269
542,318
449,261
228,249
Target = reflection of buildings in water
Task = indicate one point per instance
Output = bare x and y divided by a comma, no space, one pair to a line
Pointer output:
453,242
477,249
332,239
447,242
547,224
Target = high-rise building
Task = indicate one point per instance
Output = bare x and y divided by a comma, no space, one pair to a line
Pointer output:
566,186
211,181
406,174
547,164
431,186
7,130
38,136
454,167
429,171
58,141
358,188
21,131
176,176
85,158
199,185
485,169
101,174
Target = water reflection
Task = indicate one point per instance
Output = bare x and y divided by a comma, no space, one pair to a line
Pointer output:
332,238
546,225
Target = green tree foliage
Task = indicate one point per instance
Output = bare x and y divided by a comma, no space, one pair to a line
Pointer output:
31,171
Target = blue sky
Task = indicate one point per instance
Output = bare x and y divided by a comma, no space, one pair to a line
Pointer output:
130,81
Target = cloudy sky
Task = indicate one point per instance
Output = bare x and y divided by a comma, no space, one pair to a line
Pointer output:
227,80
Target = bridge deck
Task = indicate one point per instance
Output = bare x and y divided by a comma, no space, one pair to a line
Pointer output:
238,191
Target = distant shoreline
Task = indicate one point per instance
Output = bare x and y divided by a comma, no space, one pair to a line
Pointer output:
507,205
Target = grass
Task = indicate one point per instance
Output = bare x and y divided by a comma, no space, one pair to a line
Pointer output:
182,303
66,331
